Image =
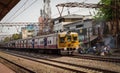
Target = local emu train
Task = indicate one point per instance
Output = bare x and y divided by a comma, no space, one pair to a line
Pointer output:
53,43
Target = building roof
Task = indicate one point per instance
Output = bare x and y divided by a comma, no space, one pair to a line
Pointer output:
77,4
73,16
79,21
70,16
6,6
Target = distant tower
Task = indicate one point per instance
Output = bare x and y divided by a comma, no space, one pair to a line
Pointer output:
41,22
46,15
47,9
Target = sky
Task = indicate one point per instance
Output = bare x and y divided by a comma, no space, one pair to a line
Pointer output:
29,11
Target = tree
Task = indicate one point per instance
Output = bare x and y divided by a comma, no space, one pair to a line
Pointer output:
15,36
109,11
7,39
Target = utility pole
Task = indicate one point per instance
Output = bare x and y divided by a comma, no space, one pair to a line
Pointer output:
115,18
89,30
116,9
47,15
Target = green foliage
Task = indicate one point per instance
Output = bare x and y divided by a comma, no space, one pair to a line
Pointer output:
15,36
107,11
7,39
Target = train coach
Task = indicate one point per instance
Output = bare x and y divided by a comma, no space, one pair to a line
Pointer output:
63,42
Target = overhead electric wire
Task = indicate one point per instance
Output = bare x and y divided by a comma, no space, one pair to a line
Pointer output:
17,10
19,14
24,9
67,9
35,1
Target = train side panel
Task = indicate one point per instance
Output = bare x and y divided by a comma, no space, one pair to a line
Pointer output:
41,42
51,42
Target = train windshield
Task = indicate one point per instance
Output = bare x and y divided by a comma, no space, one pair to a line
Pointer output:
62,39
68,38
74,38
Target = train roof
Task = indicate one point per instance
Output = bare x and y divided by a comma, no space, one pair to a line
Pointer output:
34,37
61,34
67,32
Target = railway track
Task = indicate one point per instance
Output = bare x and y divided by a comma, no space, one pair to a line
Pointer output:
98,58
15,67
63,65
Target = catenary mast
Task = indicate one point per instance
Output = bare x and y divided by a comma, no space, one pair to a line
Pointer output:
45,18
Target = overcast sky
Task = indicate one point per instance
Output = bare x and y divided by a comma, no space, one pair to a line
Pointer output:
29,10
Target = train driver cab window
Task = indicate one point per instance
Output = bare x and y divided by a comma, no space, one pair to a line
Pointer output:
74,38
68,38
62,39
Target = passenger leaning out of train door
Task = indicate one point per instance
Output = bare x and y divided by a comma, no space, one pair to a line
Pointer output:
33,41
45,42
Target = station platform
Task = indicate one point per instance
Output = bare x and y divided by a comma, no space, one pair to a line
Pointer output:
5,69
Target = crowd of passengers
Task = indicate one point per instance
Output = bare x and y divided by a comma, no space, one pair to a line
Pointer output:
97,49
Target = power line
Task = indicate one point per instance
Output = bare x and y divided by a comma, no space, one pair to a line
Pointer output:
18,24
24,9
18,10
84,5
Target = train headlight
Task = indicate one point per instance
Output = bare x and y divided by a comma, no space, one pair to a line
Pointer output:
65,48
77,47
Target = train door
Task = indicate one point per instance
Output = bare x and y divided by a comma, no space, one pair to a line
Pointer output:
24,43
41,43
33,43
55,41
20,44
16,44
69,39
27,43
61,41
75,41
45,42
52,41
50,44
13,44
36,43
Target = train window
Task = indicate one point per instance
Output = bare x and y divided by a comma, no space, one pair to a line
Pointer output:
13,44
68,38
50,41
74,38
62,39
40,42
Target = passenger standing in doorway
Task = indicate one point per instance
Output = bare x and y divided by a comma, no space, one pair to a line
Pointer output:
45,42
33,43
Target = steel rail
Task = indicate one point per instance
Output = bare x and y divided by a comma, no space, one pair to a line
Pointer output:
19,67
80,66
98,58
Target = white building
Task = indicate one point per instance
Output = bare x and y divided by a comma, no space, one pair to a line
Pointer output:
30,31
61,21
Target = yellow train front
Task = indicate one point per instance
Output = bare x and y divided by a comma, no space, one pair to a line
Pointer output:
68,42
